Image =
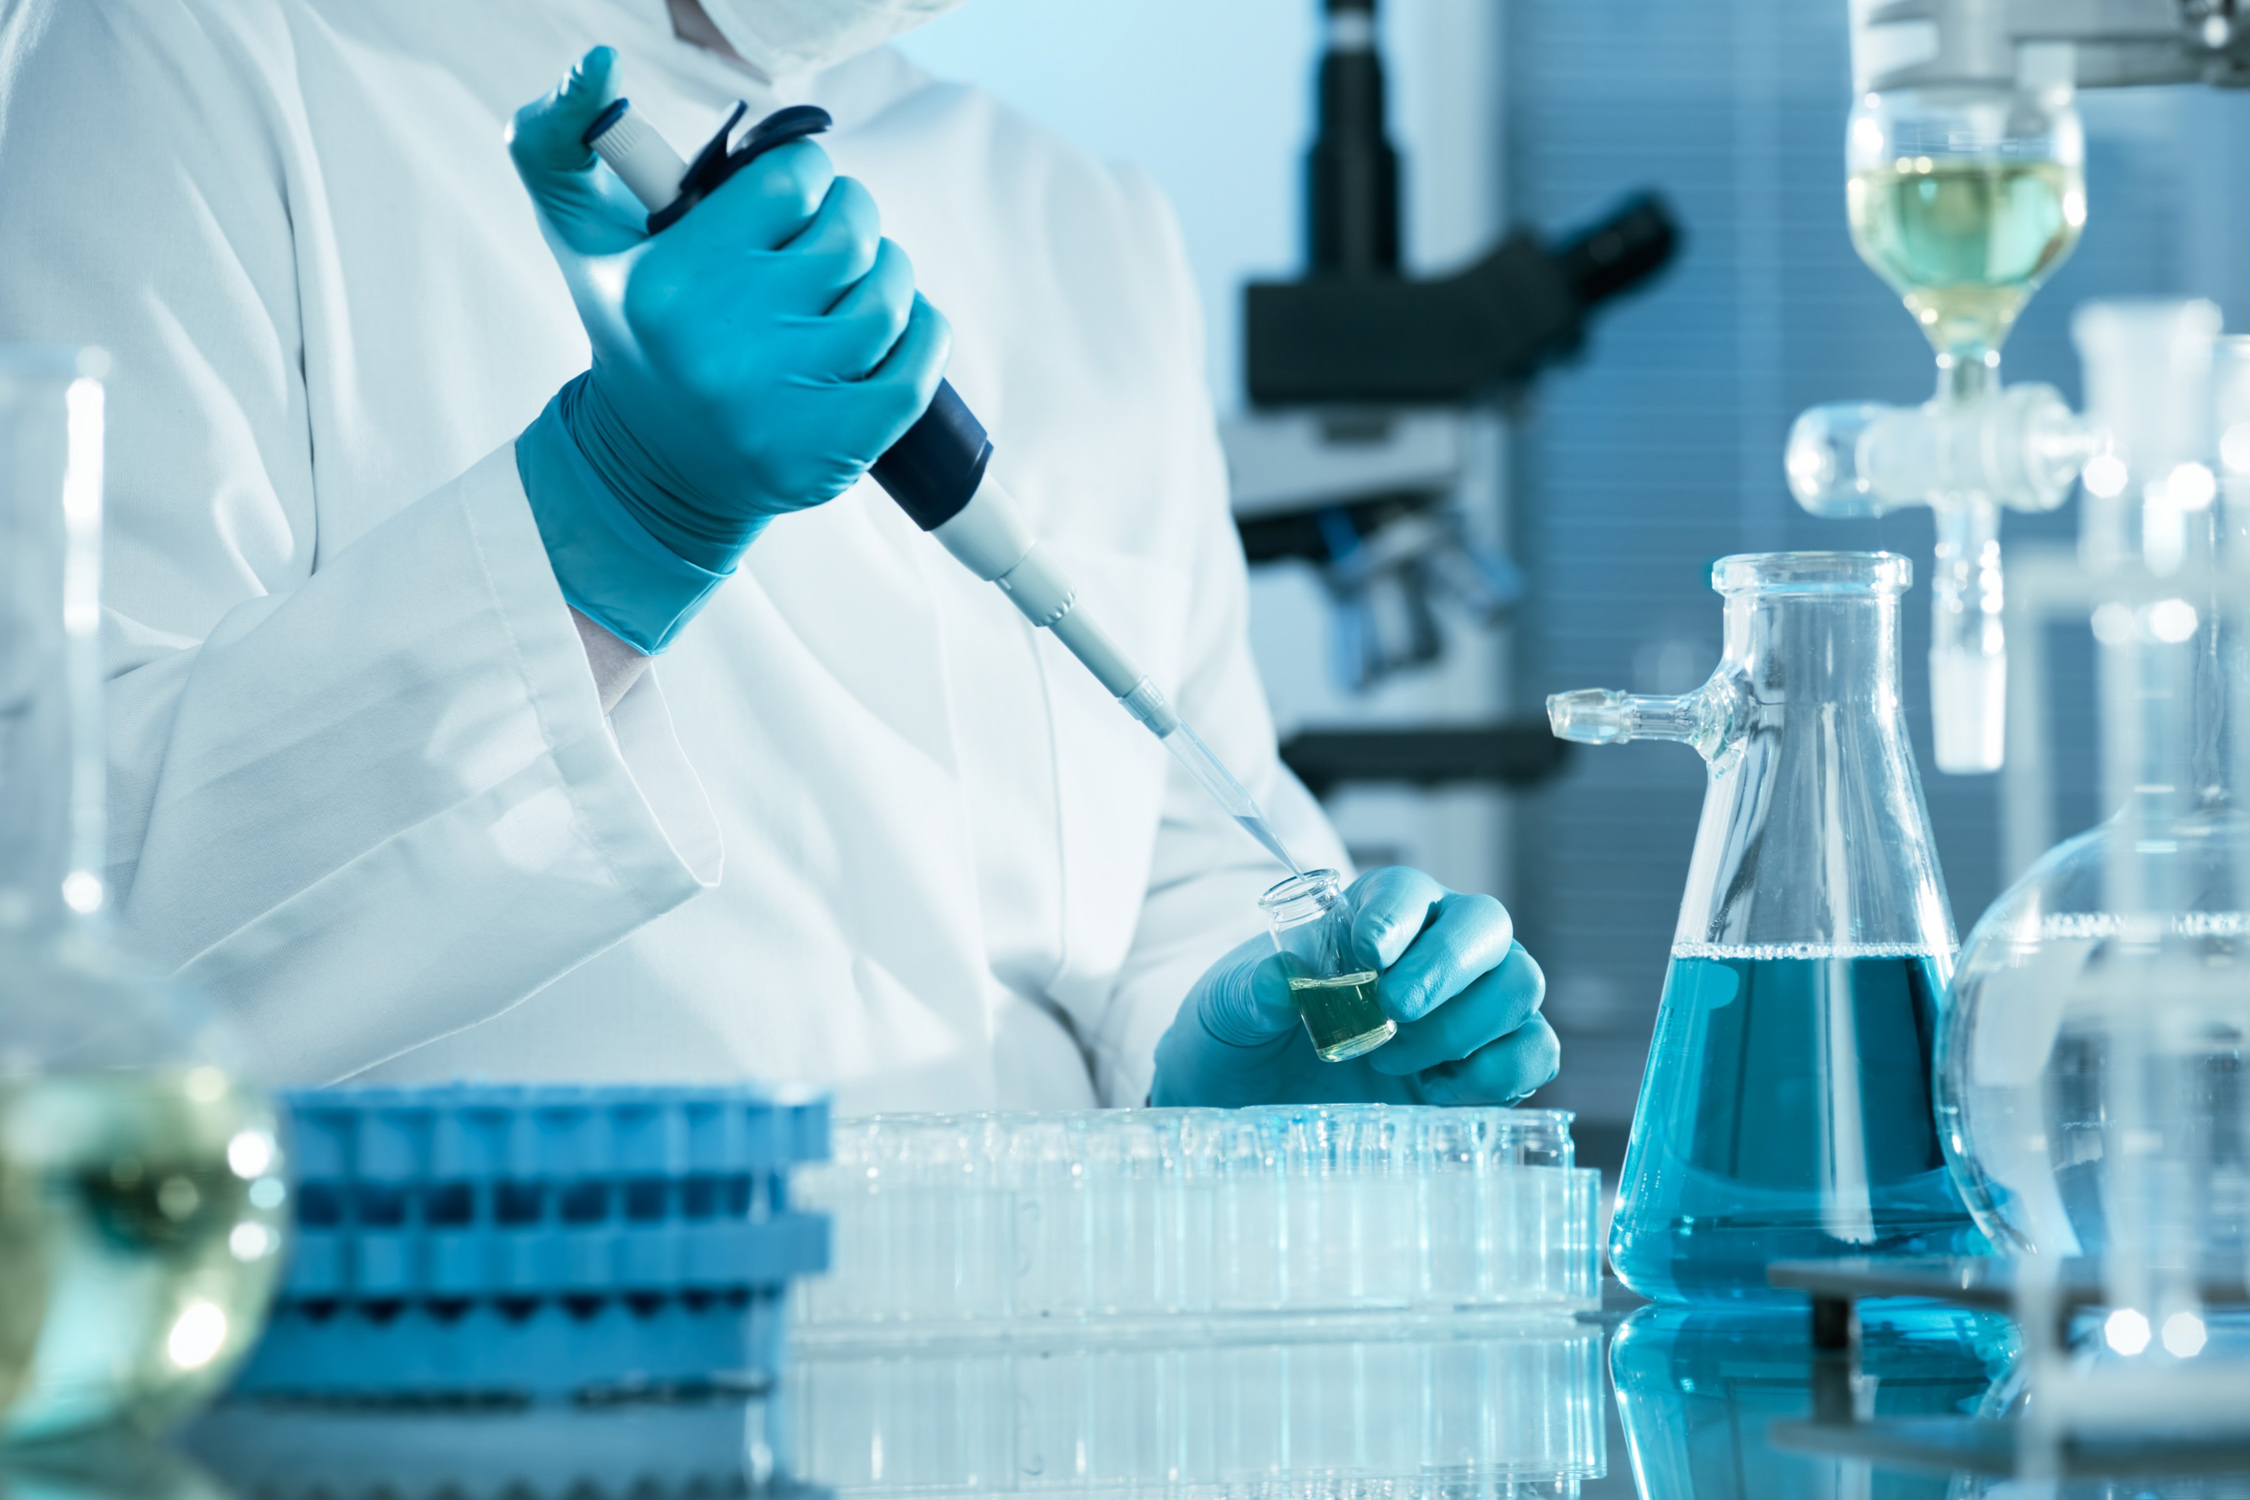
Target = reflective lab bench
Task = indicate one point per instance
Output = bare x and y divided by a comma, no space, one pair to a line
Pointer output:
1648,1401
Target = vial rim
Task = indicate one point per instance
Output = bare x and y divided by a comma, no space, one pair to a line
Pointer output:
1295,888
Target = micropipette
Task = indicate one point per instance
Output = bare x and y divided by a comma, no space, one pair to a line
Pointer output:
940,471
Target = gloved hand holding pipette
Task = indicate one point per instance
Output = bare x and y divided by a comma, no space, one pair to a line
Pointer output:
1464,994
937,467
751,362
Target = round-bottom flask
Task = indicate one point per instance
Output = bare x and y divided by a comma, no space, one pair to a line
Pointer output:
2092,1070
141,1200
143,1221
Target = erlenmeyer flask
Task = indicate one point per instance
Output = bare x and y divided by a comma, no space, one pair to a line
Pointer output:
1785,1111
141,1202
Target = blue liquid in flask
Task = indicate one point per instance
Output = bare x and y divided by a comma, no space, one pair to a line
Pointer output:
1785,1115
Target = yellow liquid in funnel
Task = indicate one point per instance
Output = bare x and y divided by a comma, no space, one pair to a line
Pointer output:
1966,240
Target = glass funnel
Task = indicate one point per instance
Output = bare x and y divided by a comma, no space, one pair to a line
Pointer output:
140,1201
1965,197
1785,1111
2091,1073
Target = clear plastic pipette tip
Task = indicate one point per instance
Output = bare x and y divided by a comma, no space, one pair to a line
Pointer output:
1188,748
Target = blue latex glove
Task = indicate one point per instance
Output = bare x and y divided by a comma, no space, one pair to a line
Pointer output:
1464,993
752,360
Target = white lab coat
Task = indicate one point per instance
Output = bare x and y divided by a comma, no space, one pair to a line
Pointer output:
860,826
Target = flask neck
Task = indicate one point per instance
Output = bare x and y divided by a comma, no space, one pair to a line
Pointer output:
1800,649
51,752
1814,839
2173,742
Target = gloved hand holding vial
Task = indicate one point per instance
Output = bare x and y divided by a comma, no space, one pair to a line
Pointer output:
1394,990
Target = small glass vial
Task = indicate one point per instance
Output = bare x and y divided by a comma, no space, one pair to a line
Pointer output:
1335,992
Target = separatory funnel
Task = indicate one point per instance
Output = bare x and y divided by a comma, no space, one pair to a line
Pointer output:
1965,191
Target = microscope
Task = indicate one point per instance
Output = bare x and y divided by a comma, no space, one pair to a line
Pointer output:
1361,379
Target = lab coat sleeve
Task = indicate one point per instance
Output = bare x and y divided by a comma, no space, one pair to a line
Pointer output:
1206,875
362,799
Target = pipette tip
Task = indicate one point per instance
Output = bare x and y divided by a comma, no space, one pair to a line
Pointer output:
1188,748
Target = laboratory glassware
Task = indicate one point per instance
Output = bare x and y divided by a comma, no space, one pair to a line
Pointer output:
1966,189
940,470
1334,987
140,1187
2090,1069
953,1226
1785,1110
1965,195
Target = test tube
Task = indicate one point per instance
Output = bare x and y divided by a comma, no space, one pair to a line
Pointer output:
1333,988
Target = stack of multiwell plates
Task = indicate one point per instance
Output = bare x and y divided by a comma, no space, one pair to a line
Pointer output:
970,1224
479,1242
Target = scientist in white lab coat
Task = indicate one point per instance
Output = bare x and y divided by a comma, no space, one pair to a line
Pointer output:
384,793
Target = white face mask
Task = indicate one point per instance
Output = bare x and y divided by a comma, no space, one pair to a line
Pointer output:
789,38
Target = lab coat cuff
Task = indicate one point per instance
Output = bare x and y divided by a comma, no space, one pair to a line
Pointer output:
610,568
495,831
658,783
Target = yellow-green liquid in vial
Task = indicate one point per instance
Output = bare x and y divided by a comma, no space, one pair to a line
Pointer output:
1341,1014
1966,240
141,1222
